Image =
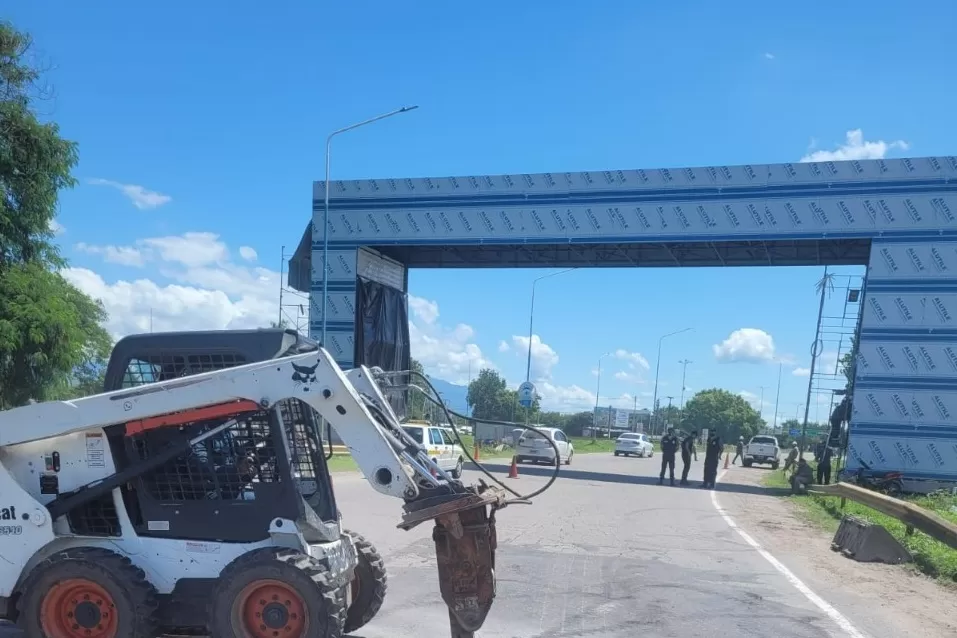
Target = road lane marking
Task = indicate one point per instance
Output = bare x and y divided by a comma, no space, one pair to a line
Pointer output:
846,626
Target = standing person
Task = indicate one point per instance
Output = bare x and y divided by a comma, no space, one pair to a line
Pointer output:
711,457
688,449
792,457
824,465
738,450
669,446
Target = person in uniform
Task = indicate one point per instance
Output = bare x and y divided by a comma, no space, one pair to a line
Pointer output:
824,465
711,457
669,447
688,449
738,450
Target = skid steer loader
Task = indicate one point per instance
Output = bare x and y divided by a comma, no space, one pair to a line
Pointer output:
193,497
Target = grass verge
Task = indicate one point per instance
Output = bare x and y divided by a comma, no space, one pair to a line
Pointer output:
931,557
582,445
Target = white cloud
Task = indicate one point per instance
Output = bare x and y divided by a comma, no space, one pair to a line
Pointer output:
503,346
629,377
248,253
574,398
142,197
424,310
801,372
633,358
56,227
204,289
544,357
123,255
749,345
856,148
444,352
768,56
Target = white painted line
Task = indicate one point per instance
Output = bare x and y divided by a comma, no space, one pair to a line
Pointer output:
847,628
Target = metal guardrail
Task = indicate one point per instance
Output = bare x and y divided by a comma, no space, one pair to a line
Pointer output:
913,516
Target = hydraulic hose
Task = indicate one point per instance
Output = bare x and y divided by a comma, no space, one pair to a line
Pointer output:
433,397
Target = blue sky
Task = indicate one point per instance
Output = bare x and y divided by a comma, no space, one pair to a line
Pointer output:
201,130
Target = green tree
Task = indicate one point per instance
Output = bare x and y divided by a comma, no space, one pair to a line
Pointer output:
52,344
491,398
417,403
720,410
485,394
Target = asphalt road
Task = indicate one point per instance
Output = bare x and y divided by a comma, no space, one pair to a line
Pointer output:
604,553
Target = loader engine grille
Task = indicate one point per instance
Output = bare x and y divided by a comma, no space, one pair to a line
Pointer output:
226,466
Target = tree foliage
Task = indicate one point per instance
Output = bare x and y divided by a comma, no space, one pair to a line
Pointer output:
720,410
52,344
491,398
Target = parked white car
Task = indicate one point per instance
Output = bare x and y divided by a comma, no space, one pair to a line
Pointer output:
634,443
439,445
533,447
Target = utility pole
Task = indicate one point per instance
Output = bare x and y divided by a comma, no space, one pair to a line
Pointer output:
681,403
777,400
816,349
761,405
669,410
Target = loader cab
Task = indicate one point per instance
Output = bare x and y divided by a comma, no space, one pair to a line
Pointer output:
232,485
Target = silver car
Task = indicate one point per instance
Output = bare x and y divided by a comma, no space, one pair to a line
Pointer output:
634,443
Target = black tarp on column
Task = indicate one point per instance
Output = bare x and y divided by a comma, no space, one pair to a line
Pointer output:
382,331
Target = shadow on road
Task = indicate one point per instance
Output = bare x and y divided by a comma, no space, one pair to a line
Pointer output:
628,479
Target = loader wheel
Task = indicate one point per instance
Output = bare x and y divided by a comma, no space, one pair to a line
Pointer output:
276,591
368,585
87,592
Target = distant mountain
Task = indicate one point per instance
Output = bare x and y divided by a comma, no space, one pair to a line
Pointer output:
456,396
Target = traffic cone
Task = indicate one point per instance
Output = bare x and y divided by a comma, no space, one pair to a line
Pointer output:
513,471
727,460
476,455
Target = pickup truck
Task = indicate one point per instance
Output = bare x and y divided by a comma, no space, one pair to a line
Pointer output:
762,449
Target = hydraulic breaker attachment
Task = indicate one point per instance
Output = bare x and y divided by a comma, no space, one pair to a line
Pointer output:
465,543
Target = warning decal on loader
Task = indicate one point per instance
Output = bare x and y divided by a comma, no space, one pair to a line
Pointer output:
95,450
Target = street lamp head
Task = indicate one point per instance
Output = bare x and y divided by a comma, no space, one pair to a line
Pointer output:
406,109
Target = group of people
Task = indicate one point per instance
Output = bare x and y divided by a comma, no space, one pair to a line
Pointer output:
671,444
803,476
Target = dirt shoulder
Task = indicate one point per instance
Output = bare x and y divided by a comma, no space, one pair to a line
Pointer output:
881,600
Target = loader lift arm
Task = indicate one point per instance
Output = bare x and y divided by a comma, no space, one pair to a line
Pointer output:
393,464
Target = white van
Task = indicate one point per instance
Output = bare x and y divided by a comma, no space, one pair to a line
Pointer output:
439,445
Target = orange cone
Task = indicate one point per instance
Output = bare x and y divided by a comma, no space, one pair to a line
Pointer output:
513,471
727,460
476,454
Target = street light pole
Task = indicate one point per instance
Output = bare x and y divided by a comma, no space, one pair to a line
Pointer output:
531,318
681,403
325,207
777,399
597,394
654,400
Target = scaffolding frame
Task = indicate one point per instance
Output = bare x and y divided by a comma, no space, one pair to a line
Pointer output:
842,297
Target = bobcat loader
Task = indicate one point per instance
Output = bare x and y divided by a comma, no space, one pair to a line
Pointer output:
193,497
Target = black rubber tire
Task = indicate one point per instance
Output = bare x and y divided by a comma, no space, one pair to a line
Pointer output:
373,582
457,472
617,453
568,461
324,599
133,596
